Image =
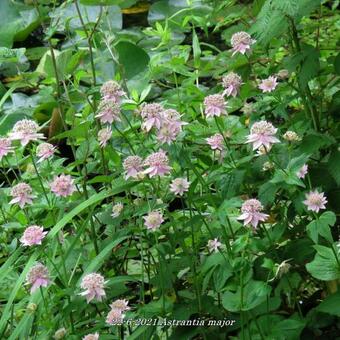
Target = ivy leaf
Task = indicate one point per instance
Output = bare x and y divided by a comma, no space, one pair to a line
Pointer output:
324,266
321,225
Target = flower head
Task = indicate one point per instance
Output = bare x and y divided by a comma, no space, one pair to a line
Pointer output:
315,201
117,209
104,136
5,147
133,165
94,336
120,304
241,42
26,130
157,164
111,90
232,83
45,151
247,108
214,245
262,133
62,185
291,136
302,172
153,220
214,105
60,333
283,74
215,142
267,166
168,133
114,317
93,285
108,111
152,116
179,186
37,276
22,195
251,212
33,235
268,85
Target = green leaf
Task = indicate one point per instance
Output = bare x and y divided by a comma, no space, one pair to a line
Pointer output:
320,226
133,58
17,21
333,165
324,266
310,65
330,305
254,293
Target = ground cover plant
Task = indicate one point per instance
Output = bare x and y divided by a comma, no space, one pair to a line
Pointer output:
169,169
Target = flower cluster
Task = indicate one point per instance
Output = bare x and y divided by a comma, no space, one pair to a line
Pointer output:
25,131
167,122
251,212
93,285
38,276
116,314
62,185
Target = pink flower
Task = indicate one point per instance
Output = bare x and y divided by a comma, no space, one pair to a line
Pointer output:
94,287
115,317
251,212
157,164
232,83
179,186
121,305
268,85
241,42
262,133
153,220
62,185
94,336
104,136
152,116
216,142
26,130
133,165
315,201
108,111
45,151
214,105
303,171
171,126
168,133
33,235
22,195
5,147
214,245
38,276
111,90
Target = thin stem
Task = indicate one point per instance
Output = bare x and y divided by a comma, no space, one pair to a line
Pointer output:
39,178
